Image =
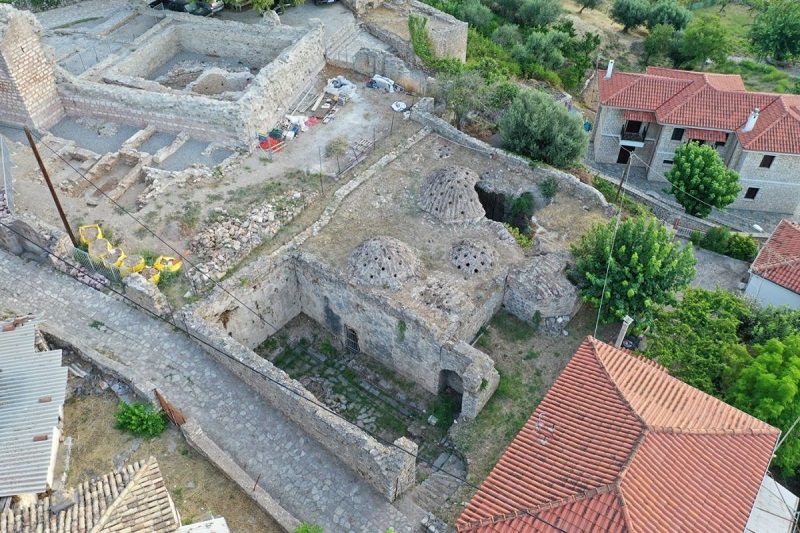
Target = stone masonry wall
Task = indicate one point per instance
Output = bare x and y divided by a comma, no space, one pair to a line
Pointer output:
262,105
448,35
27,83
607,136
778,186
268,287
419,352
369,62
388,469
567,183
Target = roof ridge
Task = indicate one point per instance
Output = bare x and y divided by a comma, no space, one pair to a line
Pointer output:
143,468
535,510
611,379
663,430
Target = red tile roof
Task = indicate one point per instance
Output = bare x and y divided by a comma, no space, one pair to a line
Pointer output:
618,445
709,101
779,259
706,135
641,116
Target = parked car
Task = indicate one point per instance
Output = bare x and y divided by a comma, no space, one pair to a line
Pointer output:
195,7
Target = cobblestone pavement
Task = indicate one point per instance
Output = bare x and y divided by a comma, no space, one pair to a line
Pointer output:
297,471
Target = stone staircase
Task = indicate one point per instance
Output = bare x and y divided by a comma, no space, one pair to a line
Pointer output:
341,48
436,491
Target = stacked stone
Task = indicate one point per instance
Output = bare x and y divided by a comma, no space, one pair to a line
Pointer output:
85,276
4,211
228,241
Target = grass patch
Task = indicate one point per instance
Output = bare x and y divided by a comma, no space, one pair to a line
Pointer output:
630,208
736,19
760,77
512,328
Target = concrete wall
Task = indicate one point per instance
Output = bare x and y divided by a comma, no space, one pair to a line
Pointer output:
388,469
27,84
768,293
779,185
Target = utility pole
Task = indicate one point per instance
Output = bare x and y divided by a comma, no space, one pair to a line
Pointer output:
50,186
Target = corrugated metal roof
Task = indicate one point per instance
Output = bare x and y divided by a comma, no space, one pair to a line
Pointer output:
32,390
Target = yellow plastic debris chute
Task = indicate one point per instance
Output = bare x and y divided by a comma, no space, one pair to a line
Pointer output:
115,257
151,274
89,234
169,264
99,249
132,263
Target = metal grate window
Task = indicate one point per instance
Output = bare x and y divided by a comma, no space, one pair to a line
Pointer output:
351,339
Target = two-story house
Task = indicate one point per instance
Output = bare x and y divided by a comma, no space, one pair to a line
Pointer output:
645,117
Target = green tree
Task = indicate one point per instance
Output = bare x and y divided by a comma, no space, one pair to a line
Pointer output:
767,388
697,340
591,4
461,93
770,323
538,127
700,180
538,12
544,48
507,36
668,12
630,13
644,269
776,32
475,13
305,527
705,38
657,45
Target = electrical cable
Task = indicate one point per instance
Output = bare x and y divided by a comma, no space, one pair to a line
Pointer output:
256,371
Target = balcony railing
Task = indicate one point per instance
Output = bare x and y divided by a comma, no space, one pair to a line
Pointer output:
632,136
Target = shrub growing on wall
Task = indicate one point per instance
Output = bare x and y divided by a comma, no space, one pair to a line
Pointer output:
140,419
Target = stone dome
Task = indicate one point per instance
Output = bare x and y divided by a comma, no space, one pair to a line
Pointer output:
449,195
383,262
472,257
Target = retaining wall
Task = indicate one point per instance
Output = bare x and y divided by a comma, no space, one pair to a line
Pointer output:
388,469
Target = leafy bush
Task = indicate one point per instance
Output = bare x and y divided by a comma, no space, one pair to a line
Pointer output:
716,240
630,13
743,247
549,187
538,12
475,13
140,419
336,146
537,126
770,322
522,205
523,240
668,12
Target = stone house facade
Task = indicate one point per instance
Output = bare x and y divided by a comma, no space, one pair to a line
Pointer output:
645,117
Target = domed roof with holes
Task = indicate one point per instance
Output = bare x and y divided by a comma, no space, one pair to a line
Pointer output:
449,195
383,262
471,257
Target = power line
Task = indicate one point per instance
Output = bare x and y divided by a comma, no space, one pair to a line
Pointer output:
256,371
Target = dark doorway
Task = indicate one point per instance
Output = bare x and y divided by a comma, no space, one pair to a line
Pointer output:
624,154
351,340
451,390
494,203
633,126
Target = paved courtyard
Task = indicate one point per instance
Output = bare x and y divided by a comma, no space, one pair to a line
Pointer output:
292,467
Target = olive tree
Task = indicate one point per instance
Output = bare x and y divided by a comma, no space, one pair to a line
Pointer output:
630,13
776,32
538,127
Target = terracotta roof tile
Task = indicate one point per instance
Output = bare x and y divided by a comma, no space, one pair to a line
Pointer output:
709,101
779,259
619,445
131,500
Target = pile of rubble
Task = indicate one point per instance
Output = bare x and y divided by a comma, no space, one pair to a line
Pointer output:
229,240
87,277
4,211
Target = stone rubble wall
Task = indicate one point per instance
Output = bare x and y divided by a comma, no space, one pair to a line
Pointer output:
422,112
268,286
368,62
448,35
359,7
27,85
262,104
391,470
419,353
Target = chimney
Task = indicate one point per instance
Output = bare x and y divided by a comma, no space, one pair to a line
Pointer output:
609,70
626,323
751,120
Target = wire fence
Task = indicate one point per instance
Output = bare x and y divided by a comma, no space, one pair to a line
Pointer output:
97,265
5,170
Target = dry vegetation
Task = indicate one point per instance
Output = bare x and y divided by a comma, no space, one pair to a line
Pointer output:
197,487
